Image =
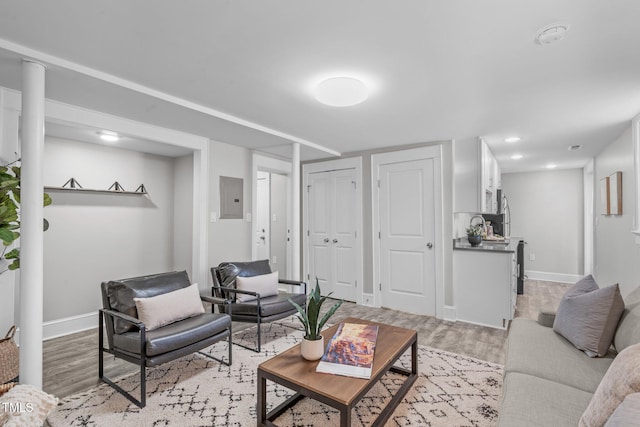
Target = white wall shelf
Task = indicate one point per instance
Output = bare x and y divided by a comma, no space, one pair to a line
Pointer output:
73,185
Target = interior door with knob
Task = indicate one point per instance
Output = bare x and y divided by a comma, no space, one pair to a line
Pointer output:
263,230
333,215
407,237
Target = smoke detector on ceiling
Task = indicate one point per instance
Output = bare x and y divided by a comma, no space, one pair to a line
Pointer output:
551,33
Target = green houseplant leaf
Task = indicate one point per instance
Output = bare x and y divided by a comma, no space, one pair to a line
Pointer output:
10,212
309,316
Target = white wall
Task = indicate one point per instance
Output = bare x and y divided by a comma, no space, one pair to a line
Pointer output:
183,214
617,254
95,237
229,239
547,209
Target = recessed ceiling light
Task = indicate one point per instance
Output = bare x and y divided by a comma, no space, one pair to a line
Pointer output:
341,91
512,139
108,136
552,33
551,166
516,157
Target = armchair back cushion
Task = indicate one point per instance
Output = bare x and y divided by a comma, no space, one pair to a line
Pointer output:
167,308
265,284
119,294
230,270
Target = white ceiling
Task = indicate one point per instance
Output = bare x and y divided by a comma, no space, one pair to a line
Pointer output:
437,70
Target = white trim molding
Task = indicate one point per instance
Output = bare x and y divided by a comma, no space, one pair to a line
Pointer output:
65,326
552,277
635,137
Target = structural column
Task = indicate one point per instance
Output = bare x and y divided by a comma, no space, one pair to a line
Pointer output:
295,204
31,231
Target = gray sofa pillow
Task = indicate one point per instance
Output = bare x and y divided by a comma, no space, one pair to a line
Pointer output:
588,316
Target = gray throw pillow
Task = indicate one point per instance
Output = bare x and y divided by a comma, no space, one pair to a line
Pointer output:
588,316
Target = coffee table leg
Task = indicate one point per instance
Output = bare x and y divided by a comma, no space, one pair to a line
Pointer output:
262,399
414,357
345,416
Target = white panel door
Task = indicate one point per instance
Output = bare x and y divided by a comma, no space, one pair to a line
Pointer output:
407,233
262,237
320,229
332,232
343,239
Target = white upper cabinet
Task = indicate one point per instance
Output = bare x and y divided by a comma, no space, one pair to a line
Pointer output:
476,177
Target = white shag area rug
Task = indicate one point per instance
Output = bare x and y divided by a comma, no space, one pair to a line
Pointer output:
452,390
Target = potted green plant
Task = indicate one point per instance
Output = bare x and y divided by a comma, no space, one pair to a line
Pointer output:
10,213
474,234
312,346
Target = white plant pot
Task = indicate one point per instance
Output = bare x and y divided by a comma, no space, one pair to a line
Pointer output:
312,350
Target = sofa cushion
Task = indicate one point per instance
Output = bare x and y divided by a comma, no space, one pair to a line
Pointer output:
265,284
174,336
627,413
621,380
120,293
530,401
628,332
163,309
588,316
539,351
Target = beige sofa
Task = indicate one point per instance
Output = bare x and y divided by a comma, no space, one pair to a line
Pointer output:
547,381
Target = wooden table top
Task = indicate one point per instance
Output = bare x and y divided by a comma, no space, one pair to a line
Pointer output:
290,365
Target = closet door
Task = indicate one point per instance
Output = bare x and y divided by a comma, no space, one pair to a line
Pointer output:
332,216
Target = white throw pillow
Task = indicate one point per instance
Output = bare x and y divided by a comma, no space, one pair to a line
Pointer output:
171,307
266,285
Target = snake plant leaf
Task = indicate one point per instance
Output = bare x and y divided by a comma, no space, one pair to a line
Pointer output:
15,264
328,314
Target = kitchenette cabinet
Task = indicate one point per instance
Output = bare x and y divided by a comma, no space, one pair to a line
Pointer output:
477,177
485,282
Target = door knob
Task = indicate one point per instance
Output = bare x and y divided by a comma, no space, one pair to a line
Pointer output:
430,245
326,240
335,240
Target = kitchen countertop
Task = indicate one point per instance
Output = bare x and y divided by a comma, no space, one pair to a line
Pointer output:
506,246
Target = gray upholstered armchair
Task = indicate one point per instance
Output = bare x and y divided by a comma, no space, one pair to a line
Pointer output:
254,306
152,320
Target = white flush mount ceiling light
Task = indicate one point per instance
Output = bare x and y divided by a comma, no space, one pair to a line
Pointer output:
552,33
516,157
341,91
512,139
551,166
108,136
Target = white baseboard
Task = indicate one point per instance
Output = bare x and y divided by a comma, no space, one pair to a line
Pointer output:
68,325
552,277
449,313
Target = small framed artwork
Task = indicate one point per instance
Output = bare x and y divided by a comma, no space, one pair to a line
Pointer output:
605,207
231,197
615,193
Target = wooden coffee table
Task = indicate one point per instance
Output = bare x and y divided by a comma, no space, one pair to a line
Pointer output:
290,370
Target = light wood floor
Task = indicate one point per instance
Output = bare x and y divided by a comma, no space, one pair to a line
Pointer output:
71,362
